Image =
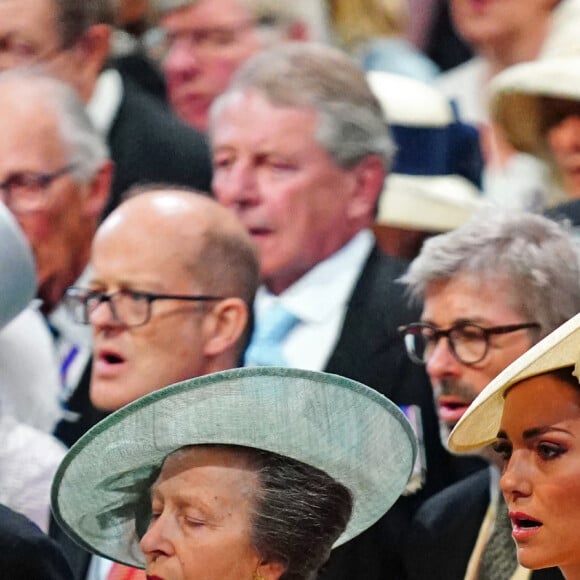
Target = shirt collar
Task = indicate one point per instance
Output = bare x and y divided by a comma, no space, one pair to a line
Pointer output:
326,287
106,100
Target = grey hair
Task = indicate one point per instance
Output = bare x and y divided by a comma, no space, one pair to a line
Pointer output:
313,76
75,17
537,257
273,14
84,146
298,511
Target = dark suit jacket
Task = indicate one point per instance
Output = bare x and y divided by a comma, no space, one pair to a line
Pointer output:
27,553
370,350
569,210
445,529
150,145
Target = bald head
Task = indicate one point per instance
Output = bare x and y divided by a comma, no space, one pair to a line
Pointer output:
190,271
193,229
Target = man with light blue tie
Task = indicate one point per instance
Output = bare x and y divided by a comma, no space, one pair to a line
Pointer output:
301,151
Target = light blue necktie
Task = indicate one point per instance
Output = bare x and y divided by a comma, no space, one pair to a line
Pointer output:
266,346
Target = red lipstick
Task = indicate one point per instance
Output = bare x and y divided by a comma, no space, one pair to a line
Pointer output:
524,526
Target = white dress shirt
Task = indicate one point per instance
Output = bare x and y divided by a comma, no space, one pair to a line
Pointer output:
320,299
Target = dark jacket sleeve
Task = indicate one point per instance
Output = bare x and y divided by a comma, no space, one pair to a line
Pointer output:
27,553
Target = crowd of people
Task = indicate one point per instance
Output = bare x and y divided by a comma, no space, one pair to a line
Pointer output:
272,283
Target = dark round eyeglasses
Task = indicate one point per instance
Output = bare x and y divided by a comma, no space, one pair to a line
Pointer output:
468,342
128,307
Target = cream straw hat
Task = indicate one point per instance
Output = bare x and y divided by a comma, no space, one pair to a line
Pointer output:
516,93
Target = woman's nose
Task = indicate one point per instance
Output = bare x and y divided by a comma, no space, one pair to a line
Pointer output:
515,480
156,541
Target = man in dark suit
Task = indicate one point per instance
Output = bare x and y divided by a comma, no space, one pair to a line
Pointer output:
301,151
71,38
491,289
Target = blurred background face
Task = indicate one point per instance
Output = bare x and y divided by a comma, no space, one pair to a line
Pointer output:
285,188
539,442
562,134
482,23
201,527
132,361
28,32
207,42
29,35
462,299
30,143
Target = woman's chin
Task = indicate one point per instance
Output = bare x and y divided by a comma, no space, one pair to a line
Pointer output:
534,558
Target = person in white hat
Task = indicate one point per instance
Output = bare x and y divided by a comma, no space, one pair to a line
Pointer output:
537,105
501,34
530,413
245,474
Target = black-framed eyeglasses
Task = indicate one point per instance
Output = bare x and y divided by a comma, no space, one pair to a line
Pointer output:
26,191
468,342
128,307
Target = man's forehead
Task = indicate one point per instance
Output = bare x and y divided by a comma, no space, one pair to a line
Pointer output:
469,297
240,108
28,133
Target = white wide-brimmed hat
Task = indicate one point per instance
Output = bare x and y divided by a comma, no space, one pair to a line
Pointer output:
516,94
438,163
480,423
17,269
342,427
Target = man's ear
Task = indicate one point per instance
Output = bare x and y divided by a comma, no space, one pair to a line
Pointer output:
98,191
270,570
224,327
92,50
369,174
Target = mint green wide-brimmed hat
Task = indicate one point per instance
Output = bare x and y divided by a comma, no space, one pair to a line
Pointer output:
354,434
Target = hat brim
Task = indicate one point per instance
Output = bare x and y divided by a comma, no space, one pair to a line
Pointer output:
342,427
409,102
481,422
515,98
428,203
17,269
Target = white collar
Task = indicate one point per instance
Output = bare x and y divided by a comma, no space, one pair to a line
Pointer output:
325,287
106,100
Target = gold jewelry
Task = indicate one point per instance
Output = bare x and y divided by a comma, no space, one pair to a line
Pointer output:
258,576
